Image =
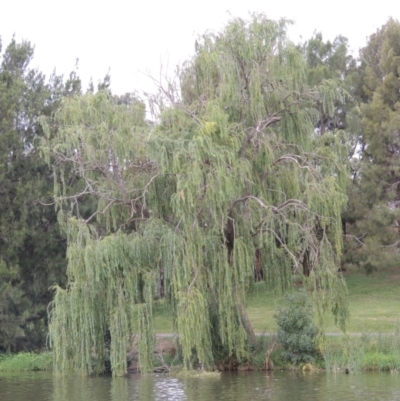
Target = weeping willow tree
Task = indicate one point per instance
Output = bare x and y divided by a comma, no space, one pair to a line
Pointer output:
230,176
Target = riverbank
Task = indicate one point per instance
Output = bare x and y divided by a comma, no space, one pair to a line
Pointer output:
368,352
374,310
353,354
26,361
346,353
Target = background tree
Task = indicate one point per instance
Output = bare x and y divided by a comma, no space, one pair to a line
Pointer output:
331,68
232,165
32,250
330,65
374,215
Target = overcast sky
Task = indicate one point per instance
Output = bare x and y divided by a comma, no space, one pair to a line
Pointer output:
132,38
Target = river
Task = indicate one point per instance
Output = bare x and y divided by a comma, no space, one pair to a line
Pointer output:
241,386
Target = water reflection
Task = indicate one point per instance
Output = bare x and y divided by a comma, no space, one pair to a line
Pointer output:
76,388
169,389
241,386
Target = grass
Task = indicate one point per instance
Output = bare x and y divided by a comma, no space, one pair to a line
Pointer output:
368,352
374,302
162,318
26,361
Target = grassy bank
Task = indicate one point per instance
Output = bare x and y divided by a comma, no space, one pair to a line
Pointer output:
368,352
350,354
26,361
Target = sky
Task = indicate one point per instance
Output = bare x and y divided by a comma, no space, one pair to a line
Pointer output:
133,39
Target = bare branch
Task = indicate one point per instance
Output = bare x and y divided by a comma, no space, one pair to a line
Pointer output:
358,239
295,260
99,212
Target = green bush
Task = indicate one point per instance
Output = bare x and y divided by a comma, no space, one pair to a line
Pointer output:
296,330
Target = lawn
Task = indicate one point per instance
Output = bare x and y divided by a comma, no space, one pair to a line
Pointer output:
374,302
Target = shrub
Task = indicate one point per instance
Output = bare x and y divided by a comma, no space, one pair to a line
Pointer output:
296,330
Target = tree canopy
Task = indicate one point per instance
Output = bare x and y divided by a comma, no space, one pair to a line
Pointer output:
231,173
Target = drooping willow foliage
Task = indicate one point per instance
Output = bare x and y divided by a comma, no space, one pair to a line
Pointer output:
230,176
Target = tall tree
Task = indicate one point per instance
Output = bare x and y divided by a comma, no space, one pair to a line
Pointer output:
375,215
330,64
232,166
32,250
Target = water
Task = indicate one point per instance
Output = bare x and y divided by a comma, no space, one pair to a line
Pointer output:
253,386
